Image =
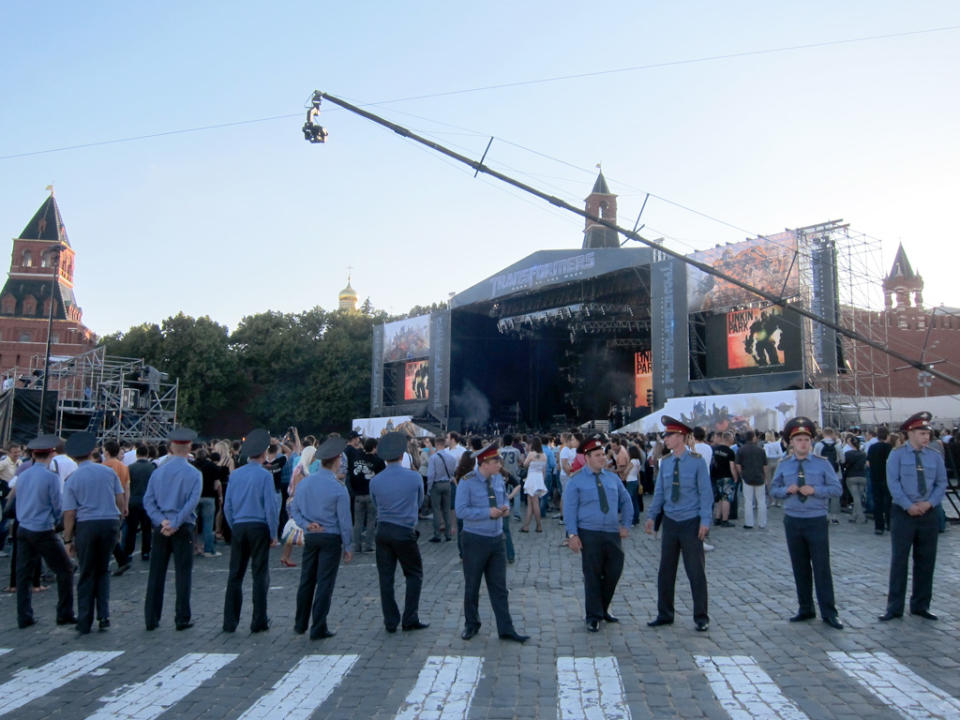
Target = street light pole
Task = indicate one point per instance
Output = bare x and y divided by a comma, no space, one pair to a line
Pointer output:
55,264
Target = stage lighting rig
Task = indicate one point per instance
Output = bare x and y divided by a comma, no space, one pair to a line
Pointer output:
312,130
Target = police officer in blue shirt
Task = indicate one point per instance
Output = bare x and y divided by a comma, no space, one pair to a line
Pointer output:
38,503
592,502
684,495
807,482
92,498
170,501
482,504
321,506
917,479
250,508
397,495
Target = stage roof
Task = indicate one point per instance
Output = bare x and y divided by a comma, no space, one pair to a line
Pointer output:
551,268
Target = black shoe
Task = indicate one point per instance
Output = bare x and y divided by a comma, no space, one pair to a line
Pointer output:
153,627
299,631
515,637
145,557
67,621
321,634
593,626
185,626
834,623
28,623
607,617
702,626
121,569
748,527
391,630
887,616
801,616
925,614
447,539
261,628
469,633
658,621
435,539
105,623
225,629
83,630
416,626
878,532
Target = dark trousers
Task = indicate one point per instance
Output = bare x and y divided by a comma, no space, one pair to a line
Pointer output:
249,543
31,547
397,543
485,557
881,503
680,538
180,545
907,533
808,542
318,573
13,559
138,521
602,562
95,540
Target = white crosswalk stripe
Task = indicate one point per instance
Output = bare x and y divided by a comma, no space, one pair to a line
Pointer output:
444,689
302,690
28,685
161,691
897,686
744,690
4,651
590,689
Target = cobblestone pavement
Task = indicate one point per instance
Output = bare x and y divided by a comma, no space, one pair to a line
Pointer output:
752,663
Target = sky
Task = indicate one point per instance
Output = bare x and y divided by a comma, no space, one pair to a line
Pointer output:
679,99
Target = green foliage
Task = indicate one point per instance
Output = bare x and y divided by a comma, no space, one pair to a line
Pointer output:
309,369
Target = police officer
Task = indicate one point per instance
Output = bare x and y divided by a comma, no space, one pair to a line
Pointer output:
593,500
684,495
38,503
170,501
917,479
397,495
250,508
92,498
807,482
482,504
321,506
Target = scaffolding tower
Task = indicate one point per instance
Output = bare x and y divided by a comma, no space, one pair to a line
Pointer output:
117,398
842,279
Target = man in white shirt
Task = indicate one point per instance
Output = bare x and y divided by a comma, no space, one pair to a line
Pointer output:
700,445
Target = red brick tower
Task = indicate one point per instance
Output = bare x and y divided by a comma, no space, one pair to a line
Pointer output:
41,250
601,203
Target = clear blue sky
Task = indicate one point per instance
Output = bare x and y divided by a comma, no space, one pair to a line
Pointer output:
250,218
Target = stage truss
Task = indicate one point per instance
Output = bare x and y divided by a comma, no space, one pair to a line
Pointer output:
855,387
117,398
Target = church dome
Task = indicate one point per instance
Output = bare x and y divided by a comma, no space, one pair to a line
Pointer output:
348,297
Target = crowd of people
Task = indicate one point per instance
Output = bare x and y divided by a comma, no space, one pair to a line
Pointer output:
73,505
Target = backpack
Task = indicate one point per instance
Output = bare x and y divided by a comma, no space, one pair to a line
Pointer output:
829,453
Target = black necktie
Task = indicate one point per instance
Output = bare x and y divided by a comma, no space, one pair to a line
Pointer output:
491,494
675,492
801,480
604,503
921,476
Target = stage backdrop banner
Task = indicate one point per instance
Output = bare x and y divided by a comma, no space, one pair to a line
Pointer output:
768,263
669,327
376,374
378,427
643,379
440,363
756,411
407,339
